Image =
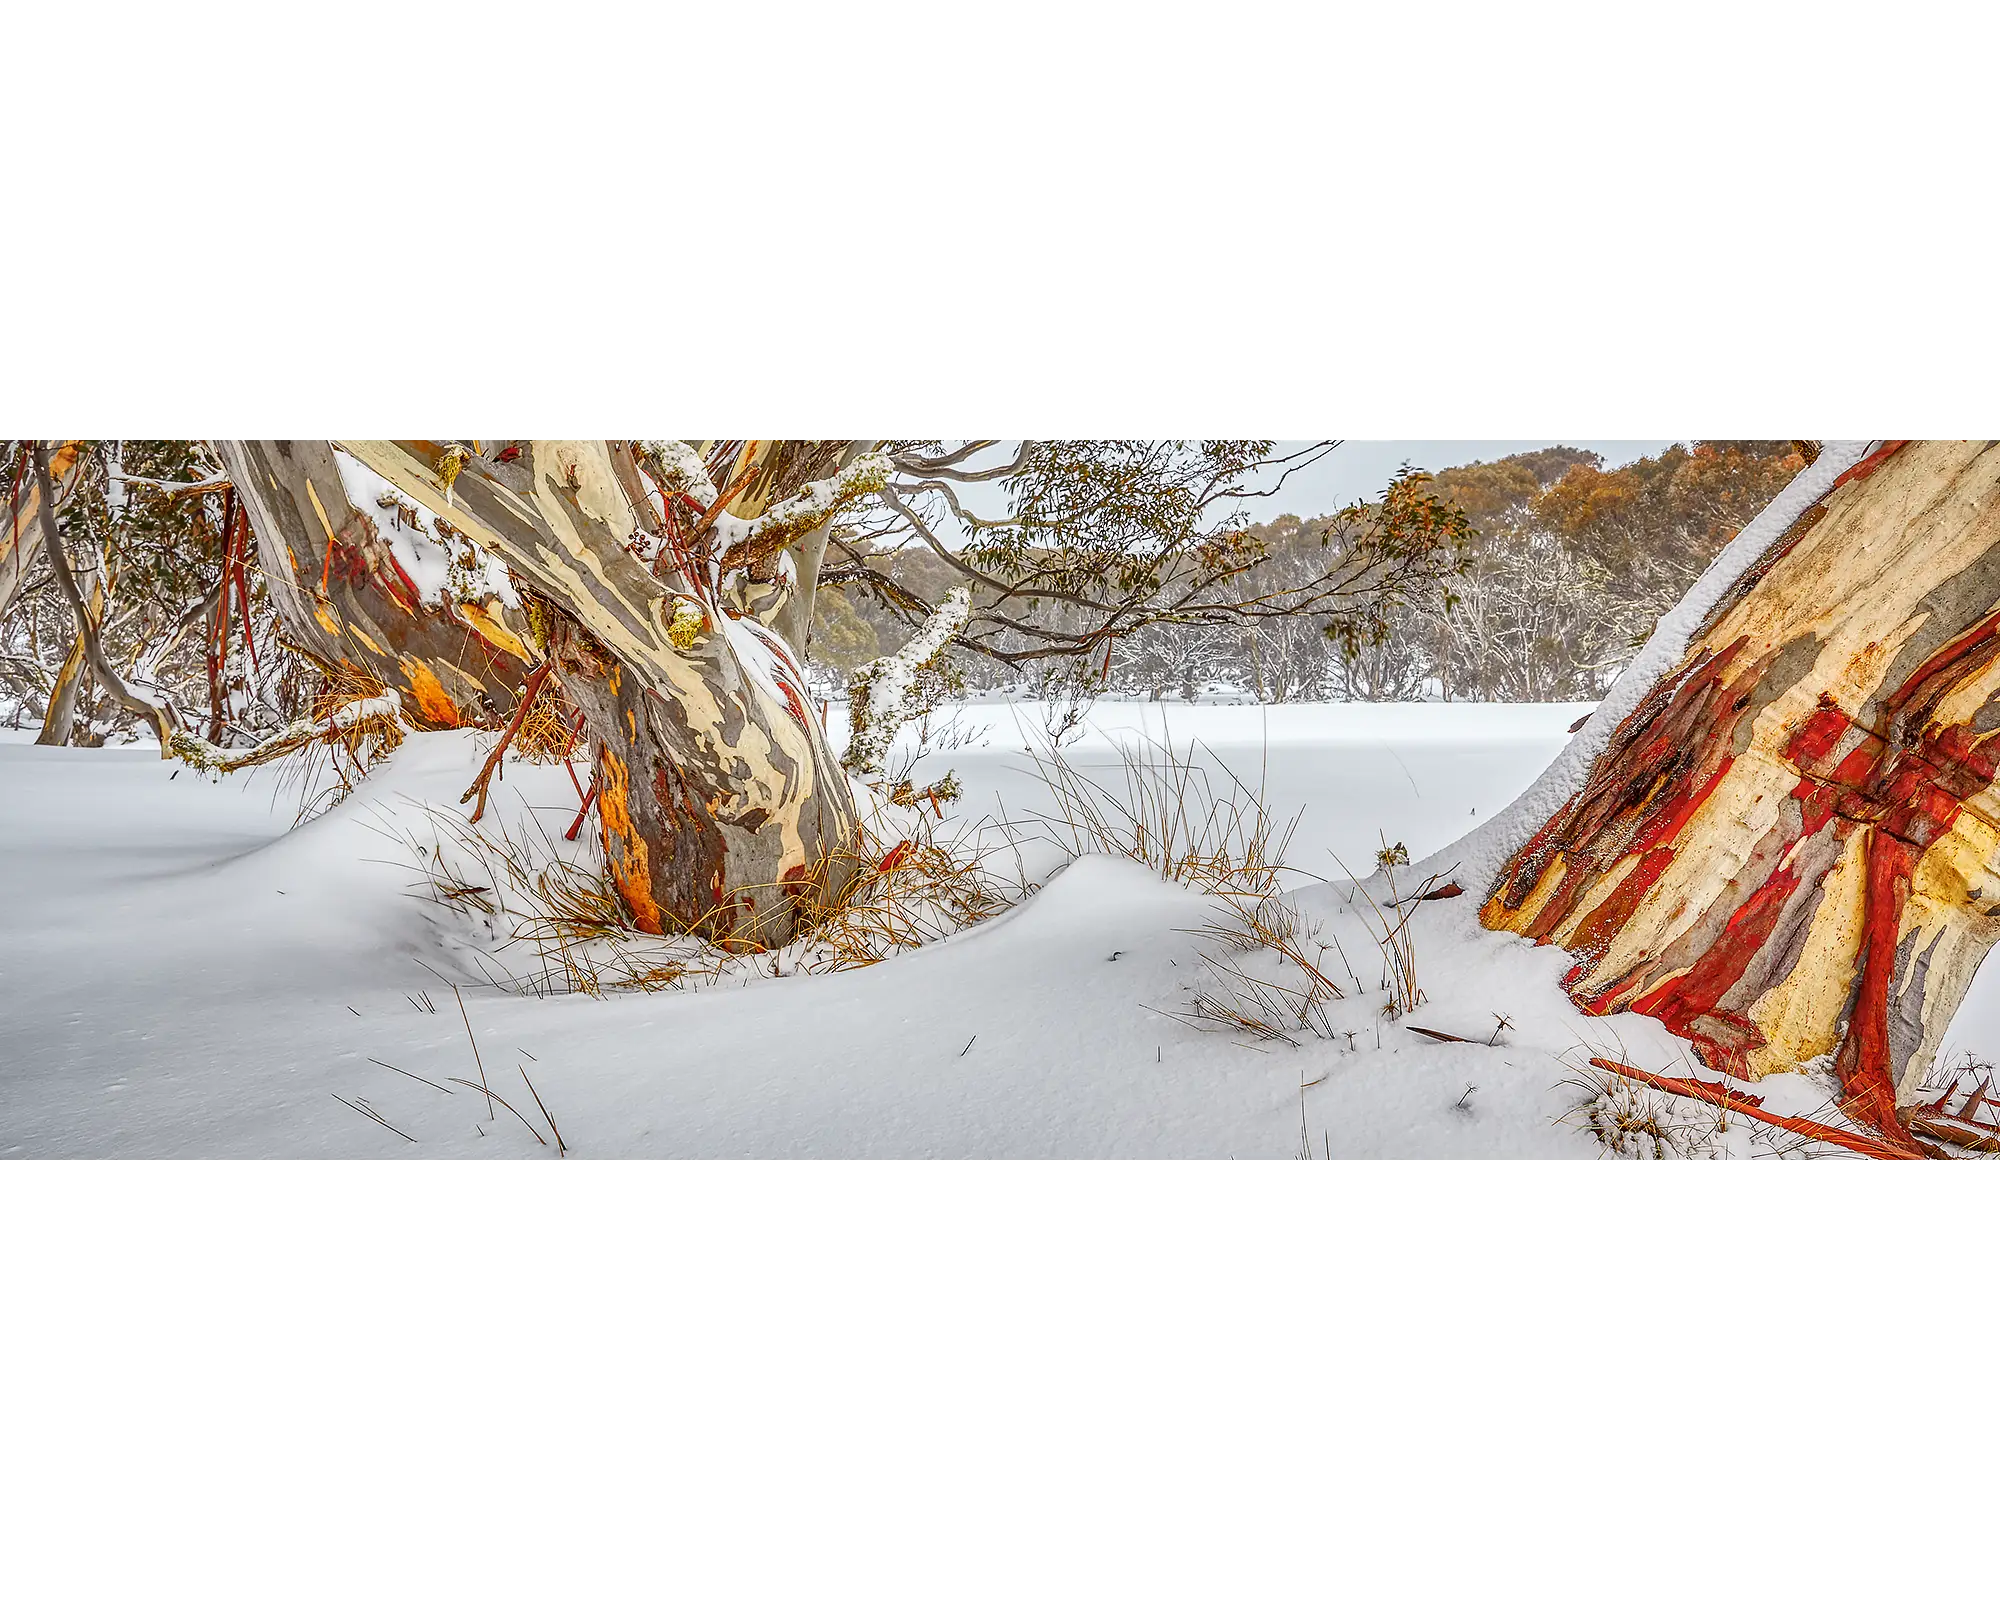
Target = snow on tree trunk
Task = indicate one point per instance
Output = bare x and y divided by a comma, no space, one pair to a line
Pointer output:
1787,851
337,566
722,808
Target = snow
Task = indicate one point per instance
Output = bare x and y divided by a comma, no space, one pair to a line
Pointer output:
808,508
682,469
1488,849
185,974
762,655
439,562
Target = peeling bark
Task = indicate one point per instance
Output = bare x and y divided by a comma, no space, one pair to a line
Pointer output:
21,531
344,598
1788,851
723,810
59,720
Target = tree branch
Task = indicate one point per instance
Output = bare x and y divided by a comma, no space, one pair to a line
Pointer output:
155,711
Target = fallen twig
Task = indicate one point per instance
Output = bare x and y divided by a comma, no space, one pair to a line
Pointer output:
475,1053
561,1148
589,799
1932,1128
441,1089
372,1116
1751,1105
529,690
491,1096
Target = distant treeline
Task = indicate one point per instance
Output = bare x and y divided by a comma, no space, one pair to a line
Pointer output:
1568,569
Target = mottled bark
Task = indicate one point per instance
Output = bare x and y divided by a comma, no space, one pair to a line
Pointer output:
1788,850
59,720
722,807
345,598
21,525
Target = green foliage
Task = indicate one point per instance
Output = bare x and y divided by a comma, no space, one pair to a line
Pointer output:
158,554
841,637
1410,529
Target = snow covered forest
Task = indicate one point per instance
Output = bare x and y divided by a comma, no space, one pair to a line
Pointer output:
1568,567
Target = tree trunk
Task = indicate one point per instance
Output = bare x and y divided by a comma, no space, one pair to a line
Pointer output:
722,808
1788,850
346,599
60,719
21,532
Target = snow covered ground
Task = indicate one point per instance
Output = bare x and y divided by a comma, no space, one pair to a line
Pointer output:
182,973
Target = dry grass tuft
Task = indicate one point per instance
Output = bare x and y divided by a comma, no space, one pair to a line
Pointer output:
1634,1122
1271,976
1392,927
915,893
543,921
1163,810
350,725
1271,972
547,920
552,729
326,769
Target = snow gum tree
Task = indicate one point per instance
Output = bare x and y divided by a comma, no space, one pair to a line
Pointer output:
460,573
149,540
1789,848
669,587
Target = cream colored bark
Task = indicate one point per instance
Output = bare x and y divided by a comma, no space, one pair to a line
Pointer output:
1791,849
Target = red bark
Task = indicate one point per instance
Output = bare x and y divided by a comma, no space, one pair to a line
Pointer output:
1752,1106
1884,597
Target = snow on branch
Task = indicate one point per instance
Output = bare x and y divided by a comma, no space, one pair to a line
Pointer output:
680,470
888,692
374,719
440,562
745,541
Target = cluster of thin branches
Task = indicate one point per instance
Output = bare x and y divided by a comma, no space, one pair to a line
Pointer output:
1101,540
147,597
